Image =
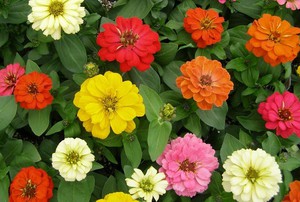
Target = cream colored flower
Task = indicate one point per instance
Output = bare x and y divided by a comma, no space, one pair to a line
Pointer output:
51,16
73,159
147,186
251,175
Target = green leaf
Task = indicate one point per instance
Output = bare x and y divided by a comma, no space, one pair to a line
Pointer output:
132,149
214,117
3,37
31,67
245,138
250,76
158,136
193,124
230,144
19,59
290,164
218,51
18,11
38,120
72,130
57,127
253,121
71,52
152,101
239,34
30,151
171,72
252,8
11,149
110,186
8,108
272,144
237,64
179,12
77,191
107,154
4,187
215,186
167,53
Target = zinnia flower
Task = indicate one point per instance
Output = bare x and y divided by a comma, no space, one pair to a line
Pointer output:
206,81
52,16
294,194
281,112
292,4
251,175
105,101
204,25
31,184
273,39
224,1
33,91
130,42
8,78
117,196
147,186
73,159
188,163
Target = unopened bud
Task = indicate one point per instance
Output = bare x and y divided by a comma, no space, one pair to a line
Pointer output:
91,69
168,112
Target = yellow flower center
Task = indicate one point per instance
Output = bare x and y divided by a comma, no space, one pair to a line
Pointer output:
205,80
29,190
32,89
146,185
274,36
206,23
285,114
252,175
128,38
109,103
73,157
187,166
56,8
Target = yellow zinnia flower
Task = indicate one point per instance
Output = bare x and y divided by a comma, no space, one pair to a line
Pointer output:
106,101
117,197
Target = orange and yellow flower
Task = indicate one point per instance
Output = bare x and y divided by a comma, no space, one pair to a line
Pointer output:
273,39
204,25
294,194
206,81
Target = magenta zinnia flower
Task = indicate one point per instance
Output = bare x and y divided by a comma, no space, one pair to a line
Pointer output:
281,112
8,78
129,42
187,163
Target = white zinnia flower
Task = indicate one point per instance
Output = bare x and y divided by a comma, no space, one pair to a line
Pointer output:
251,175
147,186
51,16
73,159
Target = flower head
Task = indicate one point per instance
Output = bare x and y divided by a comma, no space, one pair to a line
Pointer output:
33,91
251,175
224,1
206,81
147,186
52,16
31,184
204,25
273,39
292,4
294,194
117,196
73,159
187,163
281,112
105,101
130,42
9,77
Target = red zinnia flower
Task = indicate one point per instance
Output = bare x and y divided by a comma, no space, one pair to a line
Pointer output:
294,194
204,25
8,78
129,42
281,112
31,185
32,91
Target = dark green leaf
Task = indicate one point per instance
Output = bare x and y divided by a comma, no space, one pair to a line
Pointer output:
30,151
193,124
110,186
253,122
230,144
4,187
252,8
11,149
38,120
237,64
171,72
32,67
132,149
17,12
179,12
272,144
8,109
57,127
167,53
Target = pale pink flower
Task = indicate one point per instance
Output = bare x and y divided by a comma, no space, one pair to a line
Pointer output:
292,4
8,78
188,163
224,1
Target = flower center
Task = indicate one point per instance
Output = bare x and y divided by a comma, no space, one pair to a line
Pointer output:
10,79
187,166
146,185
285,114
128,38
274,36
109,103
56,8
205,80
73,157
32,88
29,190
252,175
206,23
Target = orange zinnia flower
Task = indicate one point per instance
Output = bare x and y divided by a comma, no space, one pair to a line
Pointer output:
31,185
294,194
32,91
206,81
273,39
204,25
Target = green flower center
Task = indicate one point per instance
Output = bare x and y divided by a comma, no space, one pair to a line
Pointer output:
73,157
56,8
29,190
187,166
285,114
109,103
205,80
128,38
146,185
252,175
32,89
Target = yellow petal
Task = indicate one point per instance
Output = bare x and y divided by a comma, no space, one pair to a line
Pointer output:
126,113
124,88
101,133
93,108
130,126
82,115
118,125
115,79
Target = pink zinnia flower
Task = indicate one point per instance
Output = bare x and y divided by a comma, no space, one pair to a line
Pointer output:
8,78
187,163
224,1
292,4
281,112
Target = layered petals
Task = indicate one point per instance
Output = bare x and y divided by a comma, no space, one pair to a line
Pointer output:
294,193
9,77
117,196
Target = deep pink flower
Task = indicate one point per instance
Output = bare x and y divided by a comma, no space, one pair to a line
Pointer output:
130,42
8,78
292,4
187,163
281,112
